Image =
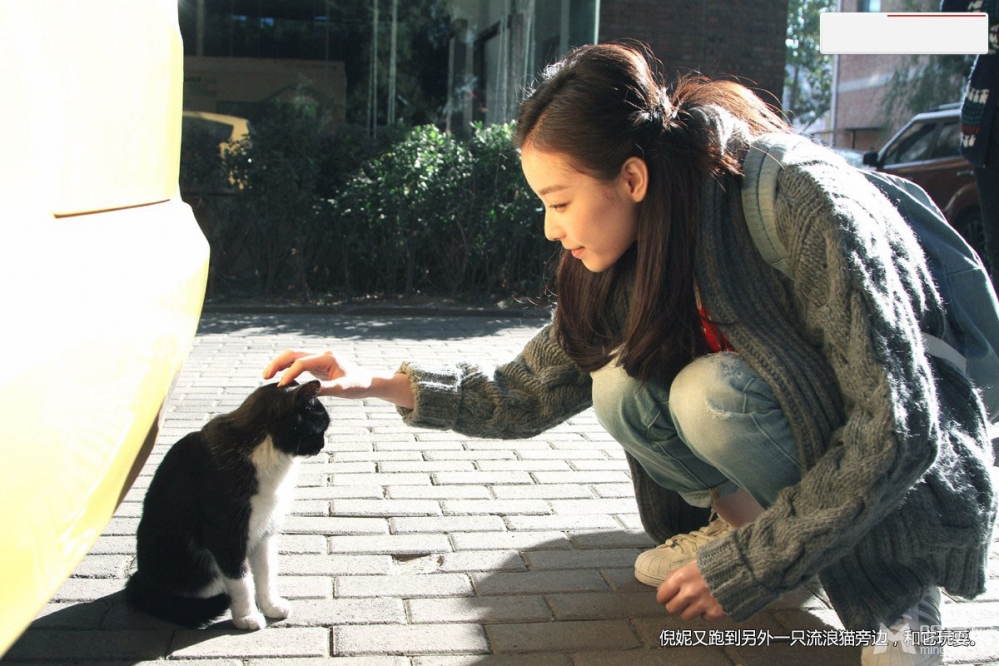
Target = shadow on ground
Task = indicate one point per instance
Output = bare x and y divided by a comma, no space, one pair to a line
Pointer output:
394,324
565,602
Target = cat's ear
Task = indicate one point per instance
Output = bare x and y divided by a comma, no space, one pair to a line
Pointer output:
308,391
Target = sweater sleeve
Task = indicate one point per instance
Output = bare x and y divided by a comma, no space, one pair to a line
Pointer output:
853,268
539,389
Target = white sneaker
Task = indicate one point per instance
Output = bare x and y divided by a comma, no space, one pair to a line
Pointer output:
924,616
653,566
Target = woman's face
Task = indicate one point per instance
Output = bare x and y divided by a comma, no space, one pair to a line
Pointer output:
595,220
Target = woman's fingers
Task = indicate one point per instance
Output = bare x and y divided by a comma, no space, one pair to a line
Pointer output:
322,365
684,592
282,361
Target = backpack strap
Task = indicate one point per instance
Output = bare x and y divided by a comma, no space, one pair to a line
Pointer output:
759,194
764,161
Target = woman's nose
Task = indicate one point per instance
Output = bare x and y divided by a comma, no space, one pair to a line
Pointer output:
553,232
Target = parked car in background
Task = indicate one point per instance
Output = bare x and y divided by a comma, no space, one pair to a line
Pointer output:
852,157
102,280
927,152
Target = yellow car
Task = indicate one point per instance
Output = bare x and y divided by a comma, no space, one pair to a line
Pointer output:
102,277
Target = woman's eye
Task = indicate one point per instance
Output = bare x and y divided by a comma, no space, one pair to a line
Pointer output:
560,206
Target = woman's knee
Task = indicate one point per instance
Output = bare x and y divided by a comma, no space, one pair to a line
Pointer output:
707,399
614,393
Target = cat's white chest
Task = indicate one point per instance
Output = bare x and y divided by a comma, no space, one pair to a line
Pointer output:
275,487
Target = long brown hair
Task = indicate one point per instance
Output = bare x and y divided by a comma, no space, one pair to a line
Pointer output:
599,106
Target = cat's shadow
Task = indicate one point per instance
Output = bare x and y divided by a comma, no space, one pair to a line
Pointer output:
113,629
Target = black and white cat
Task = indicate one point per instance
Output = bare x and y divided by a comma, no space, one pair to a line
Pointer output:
206,537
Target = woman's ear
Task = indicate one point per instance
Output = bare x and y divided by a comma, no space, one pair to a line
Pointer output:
635,177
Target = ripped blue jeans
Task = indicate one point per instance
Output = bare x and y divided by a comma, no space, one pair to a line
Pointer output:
715,429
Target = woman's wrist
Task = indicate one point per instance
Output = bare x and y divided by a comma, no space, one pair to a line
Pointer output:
395,388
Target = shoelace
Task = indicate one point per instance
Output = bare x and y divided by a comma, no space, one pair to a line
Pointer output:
698,536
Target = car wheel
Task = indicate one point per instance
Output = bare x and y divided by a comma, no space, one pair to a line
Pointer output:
969,225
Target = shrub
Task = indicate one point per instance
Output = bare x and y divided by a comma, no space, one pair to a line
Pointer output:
417,211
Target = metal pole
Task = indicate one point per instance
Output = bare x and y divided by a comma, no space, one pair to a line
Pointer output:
391,81
373,89
596,21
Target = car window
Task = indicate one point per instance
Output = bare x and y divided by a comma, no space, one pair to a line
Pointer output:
949,140
913,145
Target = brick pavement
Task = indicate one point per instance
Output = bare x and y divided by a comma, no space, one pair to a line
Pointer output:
423,548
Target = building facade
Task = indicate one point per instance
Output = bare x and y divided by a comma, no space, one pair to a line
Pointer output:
499,46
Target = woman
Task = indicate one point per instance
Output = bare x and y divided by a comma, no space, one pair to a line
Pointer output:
803,411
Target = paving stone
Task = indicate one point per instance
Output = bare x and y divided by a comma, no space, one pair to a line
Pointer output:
543,659
305,587
338,492
103,566
447,524
87,589
580,477
600,506
483,560
392,544
510,541
46,644
612,539
438,492
481,478
410,639
562,636
269,642
310,508
520,608
335,565
375,456
74,615
379,479
599,465
334,525
524,465
333,612
605,605
476,455
549,453
701,656
430,585
581,559
332,661
386,507
539,582
523,506
427,466
562,522
535,491
301,544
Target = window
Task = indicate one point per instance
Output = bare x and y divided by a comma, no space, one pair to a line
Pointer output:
913,145
949,142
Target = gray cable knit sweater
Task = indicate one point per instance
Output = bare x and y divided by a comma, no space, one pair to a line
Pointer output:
897,493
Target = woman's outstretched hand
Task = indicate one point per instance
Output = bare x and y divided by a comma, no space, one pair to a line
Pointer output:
686,593
341,379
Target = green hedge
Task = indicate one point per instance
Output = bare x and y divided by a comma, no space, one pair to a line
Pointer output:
298,213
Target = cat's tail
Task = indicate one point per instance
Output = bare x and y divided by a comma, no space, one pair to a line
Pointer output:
191,612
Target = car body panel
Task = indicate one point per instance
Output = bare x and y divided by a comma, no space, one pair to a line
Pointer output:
927,152
103,277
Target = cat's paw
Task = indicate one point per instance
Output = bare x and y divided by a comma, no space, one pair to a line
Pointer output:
253,621
278,608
